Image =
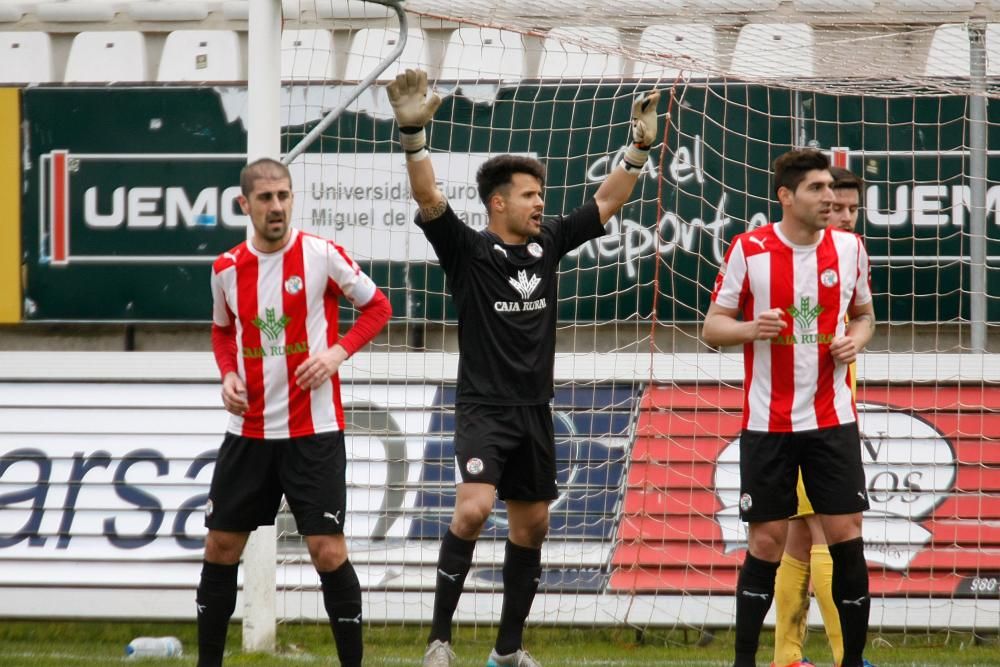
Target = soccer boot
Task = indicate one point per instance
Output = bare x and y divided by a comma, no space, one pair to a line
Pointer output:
518,658
439,654
804,662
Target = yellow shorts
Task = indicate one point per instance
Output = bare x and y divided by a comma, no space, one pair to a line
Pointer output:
805,507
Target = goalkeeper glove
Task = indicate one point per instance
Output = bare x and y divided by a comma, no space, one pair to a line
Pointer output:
643,131
414,106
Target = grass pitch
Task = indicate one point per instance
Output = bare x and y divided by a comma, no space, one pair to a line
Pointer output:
68,644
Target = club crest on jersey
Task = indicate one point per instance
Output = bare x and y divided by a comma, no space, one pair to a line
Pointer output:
828,278
293,285
474,466
534,249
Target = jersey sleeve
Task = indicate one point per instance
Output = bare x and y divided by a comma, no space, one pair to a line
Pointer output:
352,282
730,284
449,236
221,315
581,225
374,316
223,327
863,285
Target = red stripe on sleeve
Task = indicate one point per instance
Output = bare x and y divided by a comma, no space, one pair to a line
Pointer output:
374,316
294,305
330,306
224,347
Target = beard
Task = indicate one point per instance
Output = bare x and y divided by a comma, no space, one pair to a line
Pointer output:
274,230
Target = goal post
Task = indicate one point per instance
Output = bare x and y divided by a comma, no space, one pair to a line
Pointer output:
646,532
263,140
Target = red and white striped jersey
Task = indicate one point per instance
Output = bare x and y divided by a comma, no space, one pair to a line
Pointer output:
792,382
283,306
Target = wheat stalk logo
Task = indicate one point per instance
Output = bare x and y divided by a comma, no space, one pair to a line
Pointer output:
272,326
524,285
805,314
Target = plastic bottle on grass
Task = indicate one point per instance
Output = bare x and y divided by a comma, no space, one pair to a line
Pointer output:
154,647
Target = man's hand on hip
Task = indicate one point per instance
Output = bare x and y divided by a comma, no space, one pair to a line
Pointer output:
316,370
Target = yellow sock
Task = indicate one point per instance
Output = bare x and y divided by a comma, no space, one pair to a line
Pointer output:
791,605
822,581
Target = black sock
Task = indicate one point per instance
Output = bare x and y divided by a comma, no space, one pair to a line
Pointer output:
454,562
216,600
342,599
754,593
522,567
850,594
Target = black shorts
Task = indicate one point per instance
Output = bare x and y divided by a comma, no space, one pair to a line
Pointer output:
510,447
251,474
830,460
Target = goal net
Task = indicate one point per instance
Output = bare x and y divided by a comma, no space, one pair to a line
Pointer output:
646,531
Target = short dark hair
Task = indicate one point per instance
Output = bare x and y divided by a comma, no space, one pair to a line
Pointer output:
263,167
498,172
845,179
790,168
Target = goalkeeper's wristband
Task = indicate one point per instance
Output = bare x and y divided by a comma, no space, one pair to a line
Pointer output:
414,143
635,158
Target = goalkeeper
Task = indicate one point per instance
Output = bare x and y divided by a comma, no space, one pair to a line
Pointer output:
503,281
807,555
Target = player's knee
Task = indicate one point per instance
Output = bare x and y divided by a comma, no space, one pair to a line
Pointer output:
843,527
327,554
224,548
469,518
767,544
530,536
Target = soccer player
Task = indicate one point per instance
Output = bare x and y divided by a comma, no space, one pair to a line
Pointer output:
807,556
275,337
504,284
783,292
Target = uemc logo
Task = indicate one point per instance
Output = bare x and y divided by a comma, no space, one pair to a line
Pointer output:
909,467
152,207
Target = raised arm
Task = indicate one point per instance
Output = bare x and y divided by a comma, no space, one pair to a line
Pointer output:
414,106
617,187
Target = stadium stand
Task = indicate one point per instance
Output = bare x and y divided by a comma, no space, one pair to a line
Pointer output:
949,51
202,55
107,56
745,32
561,58
26,56
370,45
469,48
307,54
774,50
688,41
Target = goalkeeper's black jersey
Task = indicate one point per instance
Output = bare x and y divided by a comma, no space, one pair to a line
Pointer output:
505,296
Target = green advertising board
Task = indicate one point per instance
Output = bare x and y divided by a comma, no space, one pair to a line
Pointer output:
130,193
